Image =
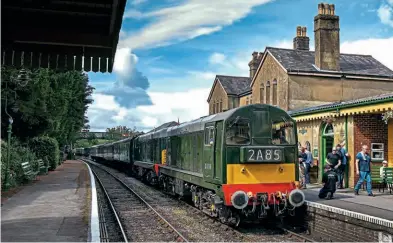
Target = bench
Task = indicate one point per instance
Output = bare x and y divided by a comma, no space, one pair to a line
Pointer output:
43,169
388,179
381,183
28,171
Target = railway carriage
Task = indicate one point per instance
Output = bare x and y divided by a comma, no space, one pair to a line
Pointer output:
238,164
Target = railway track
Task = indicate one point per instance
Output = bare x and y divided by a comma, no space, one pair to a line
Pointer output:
137,219
224,233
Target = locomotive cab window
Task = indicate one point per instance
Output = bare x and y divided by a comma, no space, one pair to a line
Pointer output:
238,132
209,135
283,133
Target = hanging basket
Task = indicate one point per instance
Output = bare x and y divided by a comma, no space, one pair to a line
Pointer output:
386,116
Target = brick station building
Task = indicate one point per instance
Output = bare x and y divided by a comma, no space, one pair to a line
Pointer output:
347,92
353,123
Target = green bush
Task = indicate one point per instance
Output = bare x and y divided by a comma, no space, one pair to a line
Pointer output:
19,153
46,146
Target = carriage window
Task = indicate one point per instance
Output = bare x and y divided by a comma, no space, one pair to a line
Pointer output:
283,132
209,135
238,132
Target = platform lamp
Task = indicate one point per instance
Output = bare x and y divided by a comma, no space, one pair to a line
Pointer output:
22,79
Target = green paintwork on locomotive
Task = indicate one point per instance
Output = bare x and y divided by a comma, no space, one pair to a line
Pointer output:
192,158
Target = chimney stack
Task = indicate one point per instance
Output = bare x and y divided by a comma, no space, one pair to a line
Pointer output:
301,41
254,63
327,38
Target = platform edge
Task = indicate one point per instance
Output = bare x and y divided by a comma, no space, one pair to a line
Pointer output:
94,232
352,214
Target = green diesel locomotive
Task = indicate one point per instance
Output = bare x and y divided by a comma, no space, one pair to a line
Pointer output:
238,164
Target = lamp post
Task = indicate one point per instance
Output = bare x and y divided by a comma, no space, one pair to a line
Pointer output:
7,166
22,79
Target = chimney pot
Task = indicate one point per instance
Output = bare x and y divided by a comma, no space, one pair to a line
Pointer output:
326,9
298,31
332,8
304,31
320,8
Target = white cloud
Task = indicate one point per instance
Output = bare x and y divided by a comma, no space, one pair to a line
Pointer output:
380,49
133,14
137,2
185,106
385,13
125,61
217,58
188,20
202,75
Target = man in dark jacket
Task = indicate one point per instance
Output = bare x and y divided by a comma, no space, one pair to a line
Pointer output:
329,180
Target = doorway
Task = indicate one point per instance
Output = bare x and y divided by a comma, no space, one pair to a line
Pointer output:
327,143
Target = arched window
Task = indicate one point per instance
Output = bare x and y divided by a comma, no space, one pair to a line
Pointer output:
308,146
268,92
247,100
274,92
220,106
261,93
251,99
214,107
329,130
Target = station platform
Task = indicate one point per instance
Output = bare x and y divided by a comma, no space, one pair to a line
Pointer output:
380,206
55,208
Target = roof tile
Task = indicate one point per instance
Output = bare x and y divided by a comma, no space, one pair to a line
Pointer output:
235,85
300,60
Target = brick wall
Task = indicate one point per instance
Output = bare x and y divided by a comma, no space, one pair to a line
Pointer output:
324,226
369,129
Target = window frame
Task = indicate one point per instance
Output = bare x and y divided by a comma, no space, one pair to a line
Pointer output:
209,129
249,133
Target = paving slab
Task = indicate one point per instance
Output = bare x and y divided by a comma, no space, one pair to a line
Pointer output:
380,206
56,208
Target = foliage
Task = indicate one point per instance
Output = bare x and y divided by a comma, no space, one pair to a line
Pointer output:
19,153
84,143
52,103
121,131
46,147
386,116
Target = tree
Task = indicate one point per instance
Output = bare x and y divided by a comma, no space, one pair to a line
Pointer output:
52,103
121,131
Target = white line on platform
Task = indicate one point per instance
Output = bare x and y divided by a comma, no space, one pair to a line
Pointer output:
94,219
360,216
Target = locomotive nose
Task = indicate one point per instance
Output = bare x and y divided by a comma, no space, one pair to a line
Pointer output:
239,200
296,198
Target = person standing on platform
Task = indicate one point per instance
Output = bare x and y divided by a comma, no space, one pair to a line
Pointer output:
329,180
363,170
333,159
307,164
341,170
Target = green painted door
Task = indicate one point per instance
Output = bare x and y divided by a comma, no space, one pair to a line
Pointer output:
208,152
218,152
327,142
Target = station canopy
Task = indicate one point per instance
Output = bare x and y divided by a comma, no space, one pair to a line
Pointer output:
61,34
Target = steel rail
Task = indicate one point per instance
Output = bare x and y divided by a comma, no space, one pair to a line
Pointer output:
141,199
226,227
112,207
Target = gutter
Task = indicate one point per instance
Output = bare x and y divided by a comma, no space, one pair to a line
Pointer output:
339,75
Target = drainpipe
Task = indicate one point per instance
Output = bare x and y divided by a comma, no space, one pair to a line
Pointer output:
346,143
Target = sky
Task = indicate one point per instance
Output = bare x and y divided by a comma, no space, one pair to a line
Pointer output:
170,51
